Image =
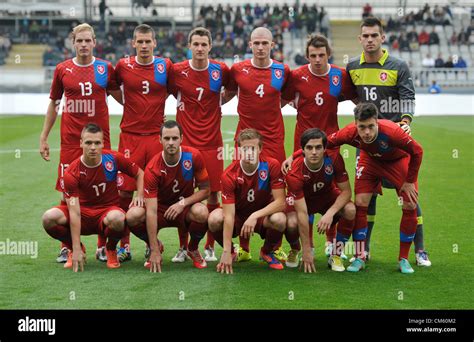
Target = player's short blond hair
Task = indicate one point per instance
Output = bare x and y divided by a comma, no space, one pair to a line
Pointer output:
249,134
81,28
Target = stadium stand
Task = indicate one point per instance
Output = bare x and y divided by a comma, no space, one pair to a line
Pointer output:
37,30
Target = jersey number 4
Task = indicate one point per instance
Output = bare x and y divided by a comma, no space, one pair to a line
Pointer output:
260,91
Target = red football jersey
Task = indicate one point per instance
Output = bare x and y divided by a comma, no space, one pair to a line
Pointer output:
314,185
85,90
316,98
251,192
391,143
97,186
145,92
170,183
259,93
198,94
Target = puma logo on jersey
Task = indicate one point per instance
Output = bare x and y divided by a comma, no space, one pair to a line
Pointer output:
146,190
246,70
164,171
83,173
305,78
70,70
185,73
130,65
224,196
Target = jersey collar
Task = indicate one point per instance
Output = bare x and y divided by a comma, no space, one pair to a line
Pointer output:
249,174
180,155
381,61
144,64
265,67
196,69
322,75
310,169
83,65
88,166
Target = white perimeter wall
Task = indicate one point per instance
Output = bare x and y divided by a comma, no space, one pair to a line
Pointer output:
426,104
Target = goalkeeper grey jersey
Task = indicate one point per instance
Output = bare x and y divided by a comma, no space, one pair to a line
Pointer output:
386,83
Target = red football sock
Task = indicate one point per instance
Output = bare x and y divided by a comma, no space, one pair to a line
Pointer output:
407,232
244,243
344,231
126,238
196,232
61,233
359,233
101,241
140,232
183,238
293,238
345,226
210,238
331,233
218,236
272,238
113,237
124,204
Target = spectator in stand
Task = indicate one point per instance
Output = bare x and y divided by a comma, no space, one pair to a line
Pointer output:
434,88
395,44
324,26
449,63
404,43
49,57
460,63
463,38
412,35
423,37
453,40
34,31
428,61
439,62
367,11
434,38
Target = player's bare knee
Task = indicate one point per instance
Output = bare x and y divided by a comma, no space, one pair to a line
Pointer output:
199,213
135,216
53,217
278,221
115,219
349,211
216,220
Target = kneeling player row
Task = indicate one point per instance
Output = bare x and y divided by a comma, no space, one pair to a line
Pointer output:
253,194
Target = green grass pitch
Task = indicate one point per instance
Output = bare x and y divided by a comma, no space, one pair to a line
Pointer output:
446,195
